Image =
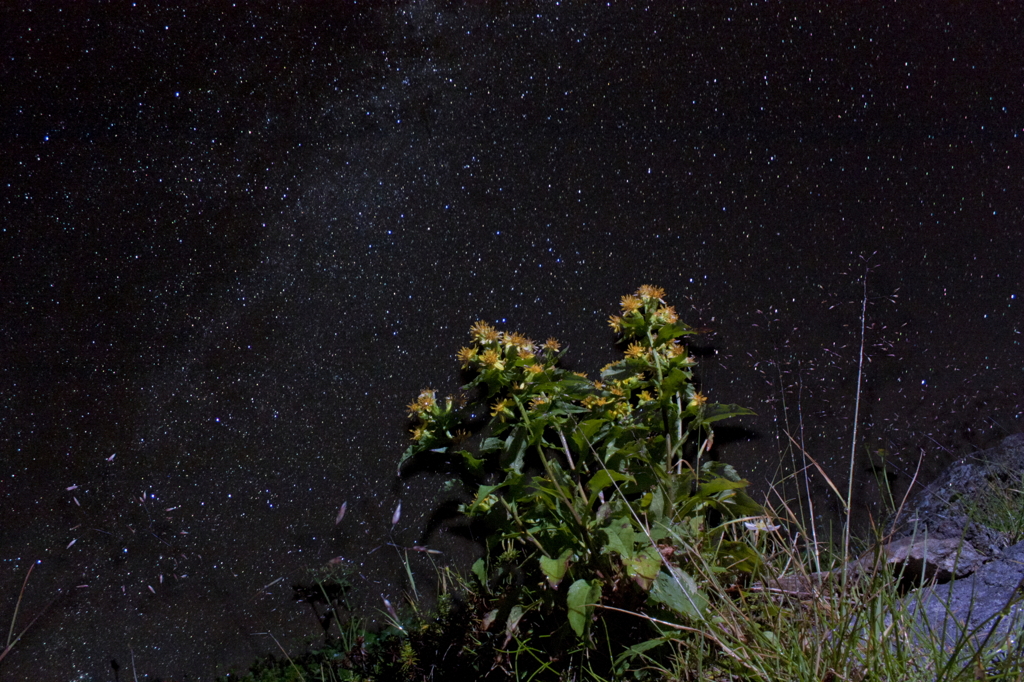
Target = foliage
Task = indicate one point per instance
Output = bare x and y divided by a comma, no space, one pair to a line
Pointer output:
414,645
617,550
595,496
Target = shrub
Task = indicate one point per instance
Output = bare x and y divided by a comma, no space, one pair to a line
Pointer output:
595,496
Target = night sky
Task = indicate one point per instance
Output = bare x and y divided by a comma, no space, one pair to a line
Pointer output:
236,241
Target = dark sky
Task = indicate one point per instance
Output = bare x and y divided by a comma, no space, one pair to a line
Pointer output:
236,241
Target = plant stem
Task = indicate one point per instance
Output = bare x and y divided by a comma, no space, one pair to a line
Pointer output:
856,417
664,411
14,618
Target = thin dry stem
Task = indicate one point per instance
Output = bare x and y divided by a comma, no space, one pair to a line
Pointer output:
856,419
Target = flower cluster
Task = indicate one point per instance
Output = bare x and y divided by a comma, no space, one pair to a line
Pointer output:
644,308
507,359
519,381
434,424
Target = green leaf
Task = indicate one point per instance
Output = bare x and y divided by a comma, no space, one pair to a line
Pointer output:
491,444
715,468
620,370
644,567
582,596
675,380
475,465
658,503
742,504
515,614
480,570
624,660
561,407
672,331
555,569
714,412
620,537
602,479
515,449
678,592
738,556
409,453
483,500
584,434
718,485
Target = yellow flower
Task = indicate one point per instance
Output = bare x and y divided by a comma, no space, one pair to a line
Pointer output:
616,390
648,291
615,322
419,433
501,407
635,351
621,410
466,356
424,403
552,345
630,304
491,360
519,341
481,331
645,396
698,400
675,349
534,369
667,315
538,401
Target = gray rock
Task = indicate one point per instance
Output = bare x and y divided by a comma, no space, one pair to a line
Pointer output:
919,560
969,502
986,607
967,519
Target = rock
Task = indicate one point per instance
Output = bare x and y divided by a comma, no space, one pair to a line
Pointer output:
974,606
920,560
969,502
917,560
964,521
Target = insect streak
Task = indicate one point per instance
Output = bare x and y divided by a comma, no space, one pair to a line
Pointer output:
341,513
397,515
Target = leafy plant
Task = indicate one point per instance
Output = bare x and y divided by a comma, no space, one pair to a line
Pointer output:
595,496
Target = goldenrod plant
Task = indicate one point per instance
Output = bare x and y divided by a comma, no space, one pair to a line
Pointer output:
594,495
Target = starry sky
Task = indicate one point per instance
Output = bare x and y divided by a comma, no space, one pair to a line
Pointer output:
238,240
